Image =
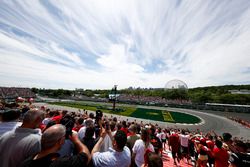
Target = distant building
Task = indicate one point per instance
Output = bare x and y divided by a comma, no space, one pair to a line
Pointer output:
242,91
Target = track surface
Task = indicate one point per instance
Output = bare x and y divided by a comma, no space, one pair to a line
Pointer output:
211,120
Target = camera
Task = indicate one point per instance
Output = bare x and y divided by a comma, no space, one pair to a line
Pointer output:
107,126
69,123
98,114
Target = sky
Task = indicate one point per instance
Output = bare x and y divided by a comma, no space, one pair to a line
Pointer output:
96,44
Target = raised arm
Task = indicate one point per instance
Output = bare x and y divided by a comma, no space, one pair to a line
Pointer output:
79,145
99,143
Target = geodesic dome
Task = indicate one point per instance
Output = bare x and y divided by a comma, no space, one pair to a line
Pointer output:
176,84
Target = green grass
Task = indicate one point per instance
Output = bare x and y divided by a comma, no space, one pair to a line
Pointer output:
150,114
125,111
184,118
157,115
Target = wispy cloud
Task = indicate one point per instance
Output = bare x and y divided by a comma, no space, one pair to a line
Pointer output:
96,44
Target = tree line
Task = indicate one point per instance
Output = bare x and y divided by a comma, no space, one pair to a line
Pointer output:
199,95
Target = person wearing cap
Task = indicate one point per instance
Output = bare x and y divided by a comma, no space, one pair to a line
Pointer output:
24,141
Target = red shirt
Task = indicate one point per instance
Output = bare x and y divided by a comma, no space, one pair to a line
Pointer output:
57,119
210,144
174,142
125,130
221,157
77,128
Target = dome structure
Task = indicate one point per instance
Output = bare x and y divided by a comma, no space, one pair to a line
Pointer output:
176,84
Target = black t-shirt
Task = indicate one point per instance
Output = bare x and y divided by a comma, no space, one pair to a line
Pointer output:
89,142
79,160
240,160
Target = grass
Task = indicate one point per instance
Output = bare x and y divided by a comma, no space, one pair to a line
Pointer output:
150,114
125,111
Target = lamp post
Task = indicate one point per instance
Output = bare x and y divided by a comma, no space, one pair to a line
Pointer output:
114,100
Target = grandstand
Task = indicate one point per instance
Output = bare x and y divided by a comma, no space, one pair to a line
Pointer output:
228,107
9,93
154,100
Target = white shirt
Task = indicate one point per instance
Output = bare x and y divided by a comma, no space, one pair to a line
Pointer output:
107,142
112,158
81,132
46,121
184,140
139,150
163,135
8,126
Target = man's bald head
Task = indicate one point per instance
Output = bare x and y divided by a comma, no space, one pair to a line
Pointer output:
32,115
52,135
32,119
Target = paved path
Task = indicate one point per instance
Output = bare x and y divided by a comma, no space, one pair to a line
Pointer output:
212,121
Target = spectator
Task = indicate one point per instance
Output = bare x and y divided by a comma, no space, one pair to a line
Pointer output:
88,139
50,123
133,137
57,116
119,156
52,140
174,146
154,160
24,141
202,150
113,128
68,147
162,136
228,142
48,118
107,141
220,155
140,148
184,141
79,124
9,120
155,141
210,145
131,140
241,157
124,127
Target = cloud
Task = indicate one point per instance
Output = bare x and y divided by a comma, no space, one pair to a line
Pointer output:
83,44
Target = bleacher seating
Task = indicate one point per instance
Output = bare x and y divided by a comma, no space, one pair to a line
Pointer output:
14,92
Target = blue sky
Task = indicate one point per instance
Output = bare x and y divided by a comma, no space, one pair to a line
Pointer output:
144,43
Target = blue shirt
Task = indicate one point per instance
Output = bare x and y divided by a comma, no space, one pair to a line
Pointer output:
112,158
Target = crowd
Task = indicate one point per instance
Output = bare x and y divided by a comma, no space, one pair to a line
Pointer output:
241,121
13,92
43,137
150,99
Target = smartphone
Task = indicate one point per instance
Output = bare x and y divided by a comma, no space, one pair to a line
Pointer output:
107,127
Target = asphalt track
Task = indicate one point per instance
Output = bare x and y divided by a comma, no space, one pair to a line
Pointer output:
211,121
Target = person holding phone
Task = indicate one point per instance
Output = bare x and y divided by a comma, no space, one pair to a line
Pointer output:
108,138
118,155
